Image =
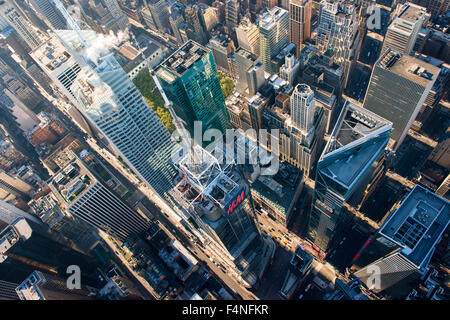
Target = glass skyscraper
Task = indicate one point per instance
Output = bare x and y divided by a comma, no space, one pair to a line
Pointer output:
352,159
110,103
189,80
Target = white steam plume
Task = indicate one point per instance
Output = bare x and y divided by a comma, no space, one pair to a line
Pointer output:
103,44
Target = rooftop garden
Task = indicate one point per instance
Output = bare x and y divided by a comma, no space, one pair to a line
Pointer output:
144,82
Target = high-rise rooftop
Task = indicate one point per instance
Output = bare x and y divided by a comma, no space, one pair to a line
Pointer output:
181,60
355,126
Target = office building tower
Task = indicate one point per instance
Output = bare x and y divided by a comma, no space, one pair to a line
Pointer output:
247,34
79,233
87,198
403,246
160,14
13,184
148,20
49,13
352,160
220,6
19,22
196,30
222,46
189,80
255,78
269,4
338,34
27,246
303,107
208,16
273,35
216,197
297,147
301,130
116,12
176,20
8,290
119,114
402,33
289,70
9,213
352,290
299,22
298,268
232,8
44,286
397,90
247,79
434,7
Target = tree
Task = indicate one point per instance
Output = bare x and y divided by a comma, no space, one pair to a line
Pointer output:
144,82
226,83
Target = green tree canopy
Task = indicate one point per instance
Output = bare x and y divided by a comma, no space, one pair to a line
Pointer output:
144,82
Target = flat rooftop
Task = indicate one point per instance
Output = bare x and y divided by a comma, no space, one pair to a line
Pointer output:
351,136
411,12
271,18
72,181
279,189
408,67
418,224
52,54
301,259
181,60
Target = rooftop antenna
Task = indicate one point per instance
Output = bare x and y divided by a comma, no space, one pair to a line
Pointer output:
71,23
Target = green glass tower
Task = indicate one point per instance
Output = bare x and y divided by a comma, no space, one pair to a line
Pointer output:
189,80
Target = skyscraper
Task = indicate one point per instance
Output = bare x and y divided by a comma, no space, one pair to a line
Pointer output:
109,103
250,72
27,246
86,197
23,27
160,13
196,31
189,80
114,9
232,9
303,107
247,34
176,20
397,90
50,13
273,35
351,160
299,22
216,196
402,33
43,286
289,70
403,246
338,34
